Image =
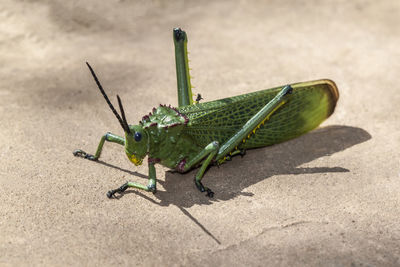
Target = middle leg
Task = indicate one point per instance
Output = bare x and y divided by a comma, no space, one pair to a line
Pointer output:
210,151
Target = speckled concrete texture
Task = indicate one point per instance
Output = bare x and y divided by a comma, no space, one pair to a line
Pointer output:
328,198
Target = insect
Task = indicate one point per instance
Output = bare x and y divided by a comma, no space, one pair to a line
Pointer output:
202,134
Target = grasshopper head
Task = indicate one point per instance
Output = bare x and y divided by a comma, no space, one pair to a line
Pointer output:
136,144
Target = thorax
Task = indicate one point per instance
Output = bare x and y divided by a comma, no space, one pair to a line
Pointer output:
168,145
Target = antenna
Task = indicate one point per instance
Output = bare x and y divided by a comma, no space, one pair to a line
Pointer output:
123,115
123,123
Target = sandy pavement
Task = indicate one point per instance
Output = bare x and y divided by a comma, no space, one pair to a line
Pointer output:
330,197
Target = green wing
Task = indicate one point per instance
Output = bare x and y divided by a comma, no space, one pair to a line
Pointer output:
309,105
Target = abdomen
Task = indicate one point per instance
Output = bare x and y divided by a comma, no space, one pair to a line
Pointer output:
309,105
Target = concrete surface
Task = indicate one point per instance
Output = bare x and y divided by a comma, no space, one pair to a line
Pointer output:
329,198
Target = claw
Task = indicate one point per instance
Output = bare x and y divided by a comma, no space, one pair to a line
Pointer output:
198,98
78,153
201,188
110,193
83,154
121,189
210,193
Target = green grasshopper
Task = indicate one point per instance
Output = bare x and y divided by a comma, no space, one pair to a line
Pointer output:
201,134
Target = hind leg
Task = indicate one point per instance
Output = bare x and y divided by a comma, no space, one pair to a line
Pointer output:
253,123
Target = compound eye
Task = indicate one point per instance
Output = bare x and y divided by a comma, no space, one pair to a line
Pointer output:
138,136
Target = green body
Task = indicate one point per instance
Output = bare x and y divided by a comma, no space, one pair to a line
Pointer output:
196,126
201,133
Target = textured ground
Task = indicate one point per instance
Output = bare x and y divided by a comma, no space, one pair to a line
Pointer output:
330,197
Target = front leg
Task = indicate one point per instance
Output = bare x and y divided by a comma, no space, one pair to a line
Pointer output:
107,137
151,187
